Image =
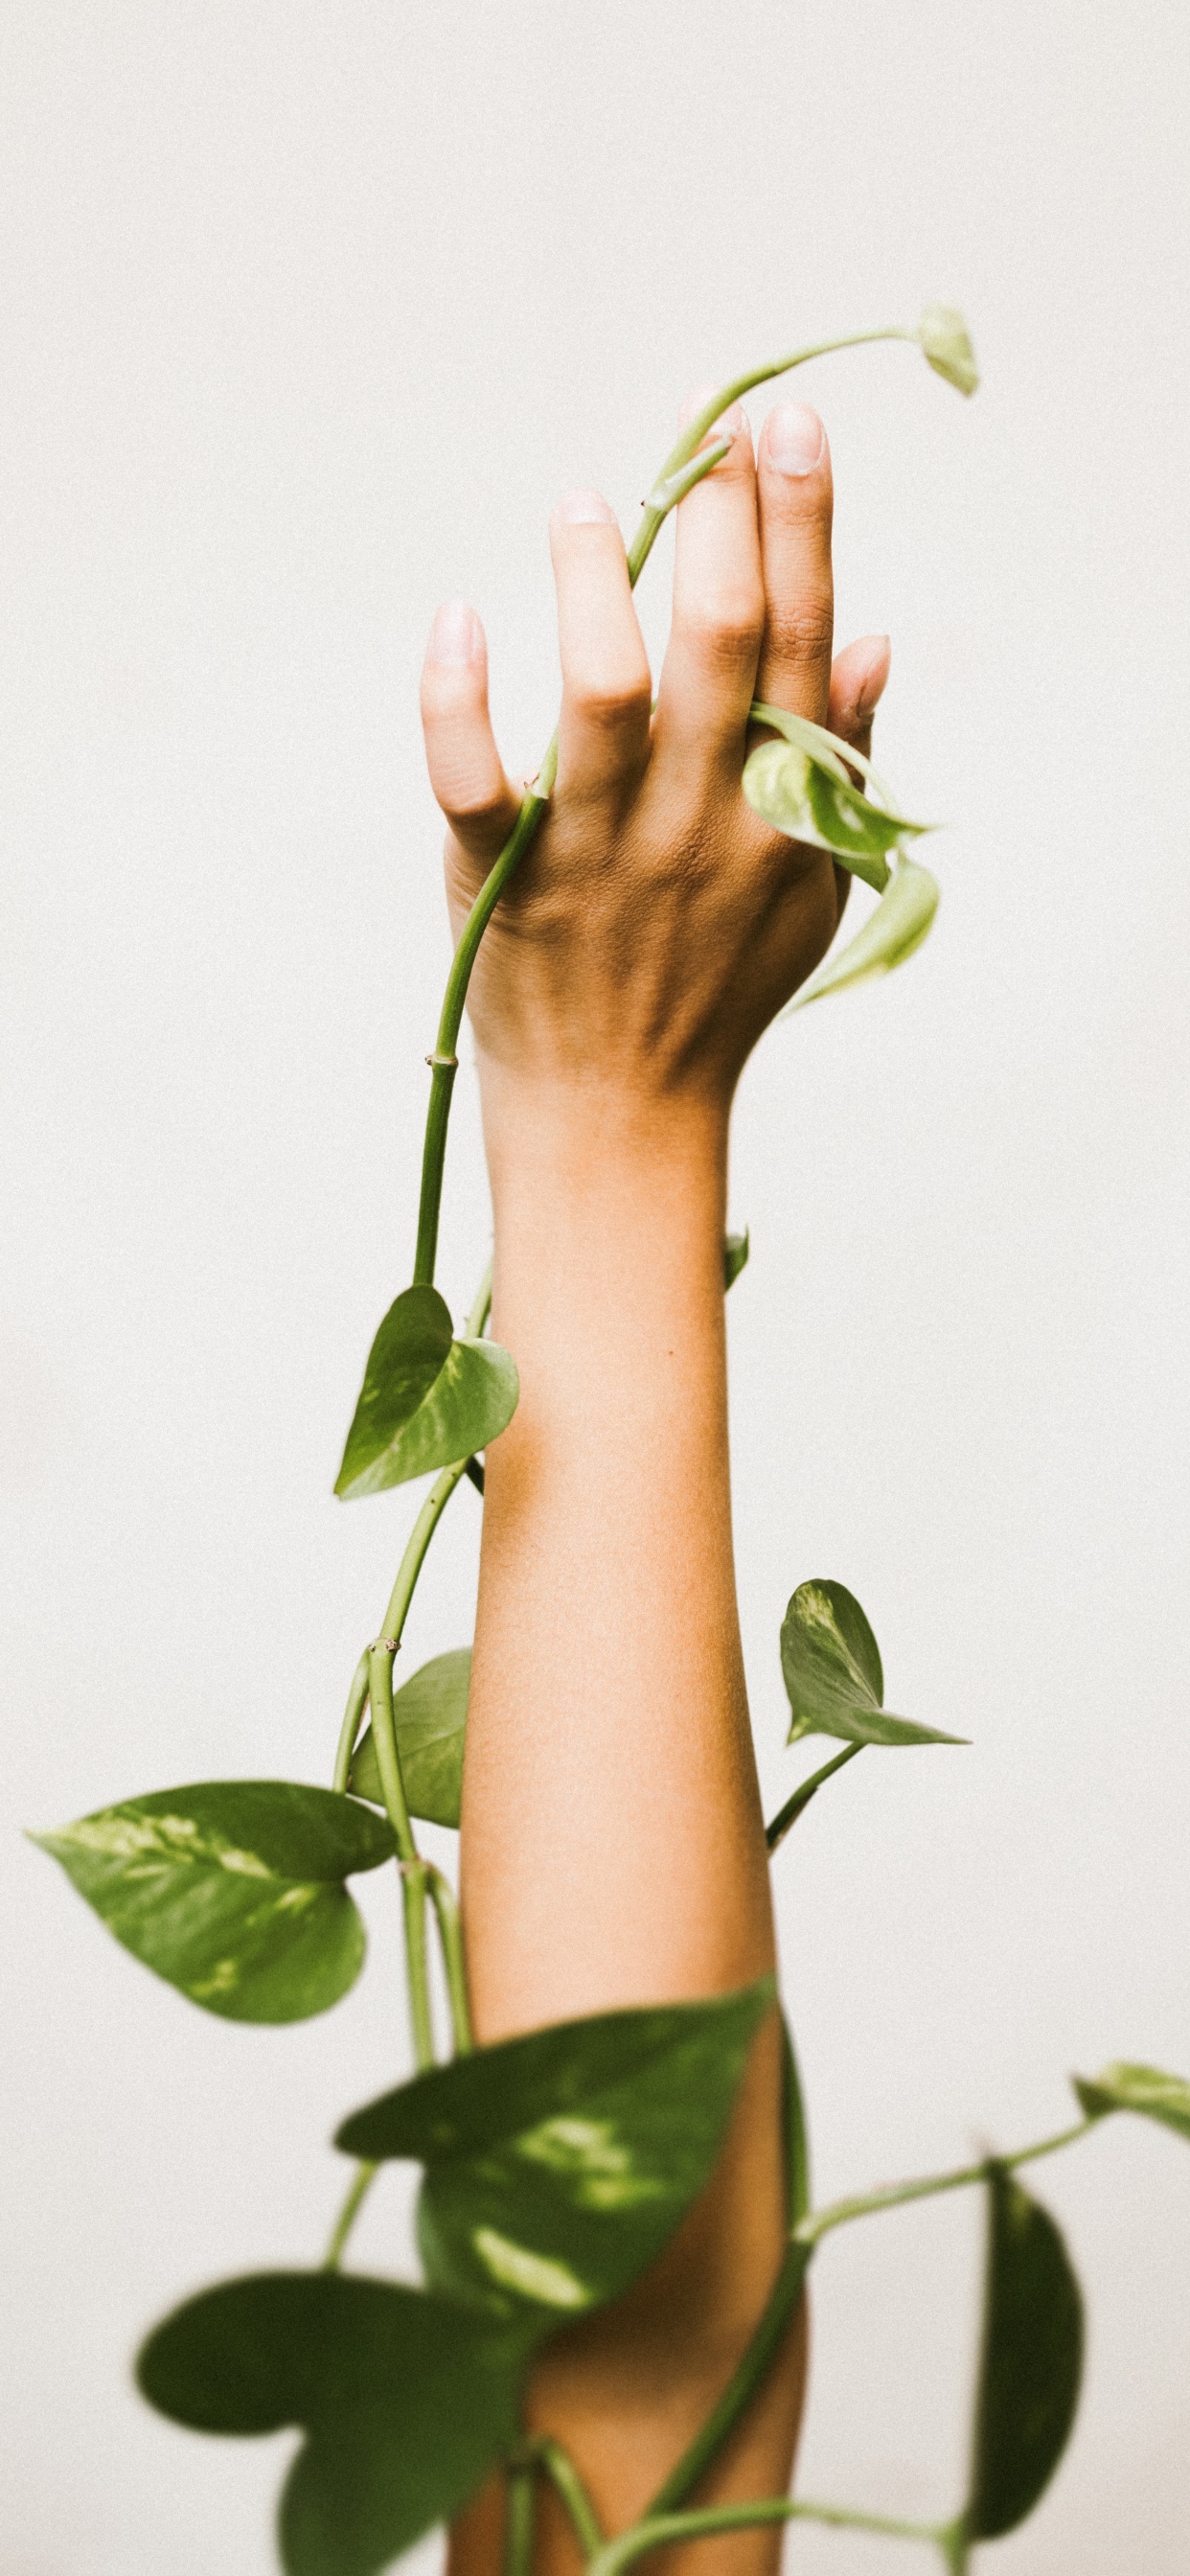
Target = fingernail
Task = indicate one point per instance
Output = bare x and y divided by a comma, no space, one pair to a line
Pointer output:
456,635
585,509
794,438
872,686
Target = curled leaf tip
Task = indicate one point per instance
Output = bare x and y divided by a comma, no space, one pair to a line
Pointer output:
946,342
901,921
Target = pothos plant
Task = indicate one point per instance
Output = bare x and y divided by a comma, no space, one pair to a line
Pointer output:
556,2165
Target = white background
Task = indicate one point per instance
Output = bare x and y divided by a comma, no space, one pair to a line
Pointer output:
309,314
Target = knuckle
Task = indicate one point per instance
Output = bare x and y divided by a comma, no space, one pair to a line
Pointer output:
728,624
467,792
612,698
801,630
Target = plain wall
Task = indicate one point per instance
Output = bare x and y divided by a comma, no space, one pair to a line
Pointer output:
310,312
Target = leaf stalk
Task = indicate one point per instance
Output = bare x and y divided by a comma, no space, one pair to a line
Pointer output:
838,2213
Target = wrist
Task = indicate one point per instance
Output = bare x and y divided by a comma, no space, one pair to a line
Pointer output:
588,1144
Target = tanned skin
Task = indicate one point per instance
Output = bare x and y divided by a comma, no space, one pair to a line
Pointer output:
612,1841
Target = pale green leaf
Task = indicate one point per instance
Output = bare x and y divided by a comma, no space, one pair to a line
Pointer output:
1137,2088
735,1257
431,1715
833,1675
898,926
832,753
426,1400
793,796
232,1890
407,2402
1030,2363
947,344
559,2164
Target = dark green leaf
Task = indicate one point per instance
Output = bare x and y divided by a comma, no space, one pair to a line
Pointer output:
431,1715
559,2164
735,1257
833,1674
232,1890
797,2142
407,2402
890,935
1030,2364
1137,2088
426,1400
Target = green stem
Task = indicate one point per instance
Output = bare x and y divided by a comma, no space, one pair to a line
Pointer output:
563,2475
384,1737
775,1833
657,507
444,1062
360,2186
518,2526
417,1962
740,2390
657,2530
412,1867
450,1934
357,1701
893,2195
671,486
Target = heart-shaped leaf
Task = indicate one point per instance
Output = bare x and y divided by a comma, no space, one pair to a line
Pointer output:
735,1257
431,1715
833,1674
559,2164
1137,2088
426,1400
232,1890
406,2400
1030,2363
897,927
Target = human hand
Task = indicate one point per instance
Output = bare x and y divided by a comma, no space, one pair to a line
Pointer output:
656,925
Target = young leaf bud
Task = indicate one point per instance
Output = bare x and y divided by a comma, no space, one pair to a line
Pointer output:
947,344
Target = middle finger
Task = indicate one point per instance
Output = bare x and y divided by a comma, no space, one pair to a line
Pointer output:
709,672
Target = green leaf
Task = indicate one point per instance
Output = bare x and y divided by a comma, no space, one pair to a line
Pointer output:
431,1715
426,1400
898,926
559,2164
407,2401
797,2141
232,1890
735,1258
1137,2088
947,344
794,796
833,1675
1030,2364
830,752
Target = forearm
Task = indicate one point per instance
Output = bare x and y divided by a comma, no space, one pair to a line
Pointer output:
613,1848
612,1843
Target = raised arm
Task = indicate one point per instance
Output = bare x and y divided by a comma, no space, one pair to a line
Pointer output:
612,1844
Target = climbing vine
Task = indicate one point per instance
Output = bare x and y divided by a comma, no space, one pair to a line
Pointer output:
555,2166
